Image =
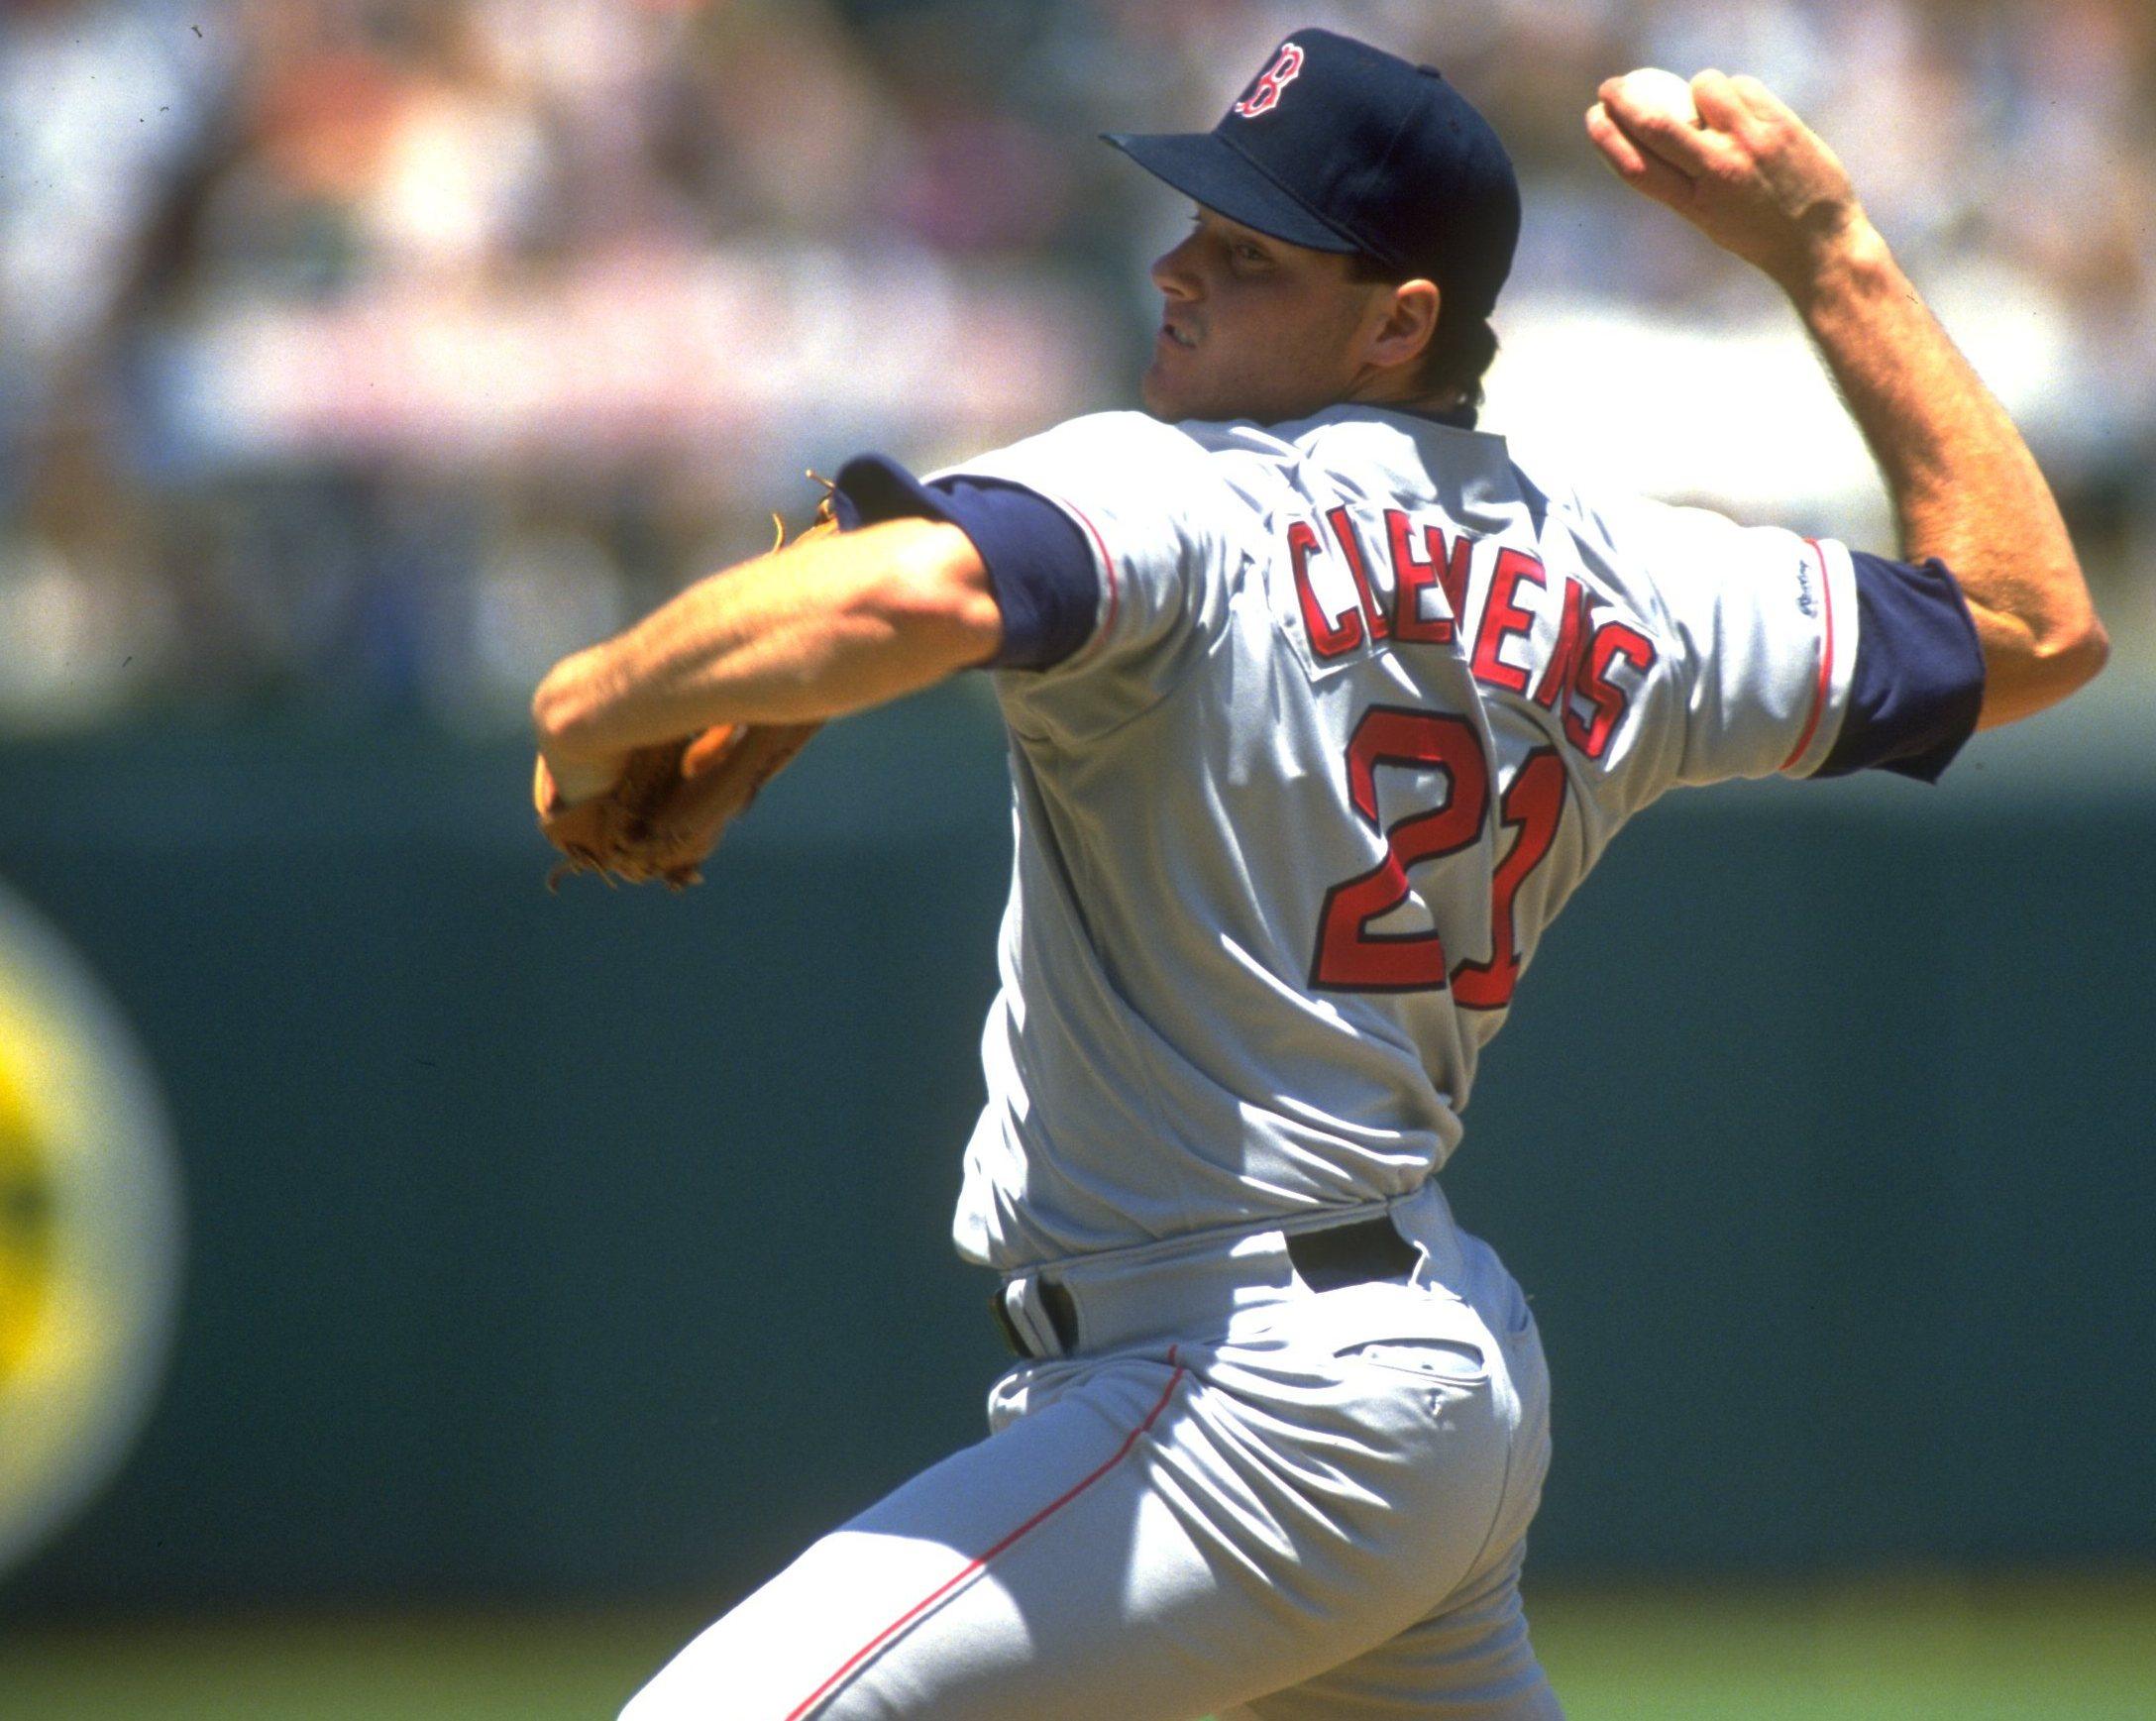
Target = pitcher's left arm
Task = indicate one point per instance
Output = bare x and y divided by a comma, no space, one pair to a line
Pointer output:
818,629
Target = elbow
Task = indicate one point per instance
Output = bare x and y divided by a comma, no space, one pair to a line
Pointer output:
2028,670
2074,657
939,595
2043,673
957,623
2075,648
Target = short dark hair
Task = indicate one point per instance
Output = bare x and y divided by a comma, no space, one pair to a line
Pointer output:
1461,348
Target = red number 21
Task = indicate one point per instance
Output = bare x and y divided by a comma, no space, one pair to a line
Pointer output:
1352,959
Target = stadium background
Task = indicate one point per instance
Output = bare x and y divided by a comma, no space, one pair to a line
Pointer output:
553,1267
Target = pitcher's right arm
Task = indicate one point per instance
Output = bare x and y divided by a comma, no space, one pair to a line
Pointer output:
1759,182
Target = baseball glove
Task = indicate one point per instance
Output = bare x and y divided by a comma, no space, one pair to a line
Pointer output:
674,798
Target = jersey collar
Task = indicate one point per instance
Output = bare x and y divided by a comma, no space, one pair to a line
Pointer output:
1456,417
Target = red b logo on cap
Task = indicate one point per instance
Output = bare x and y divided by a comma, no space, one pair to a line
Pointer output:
1267,96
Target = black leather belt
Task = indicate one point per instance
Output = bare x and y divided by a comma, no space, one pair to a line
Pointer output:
1351,1255
1062,1316
1325,1260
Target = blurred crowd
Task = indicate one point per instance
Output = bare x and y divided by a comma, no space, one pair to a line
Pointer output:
363,355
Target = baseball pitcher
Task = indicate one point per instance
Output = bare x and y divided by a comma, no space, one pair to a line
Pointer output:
1320,706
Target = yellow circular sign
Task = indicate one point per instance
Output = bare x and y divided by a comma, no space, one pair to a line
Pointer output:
89,1232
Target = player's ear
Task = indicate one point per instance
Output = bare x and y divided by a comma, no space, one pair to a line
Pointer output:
1408,321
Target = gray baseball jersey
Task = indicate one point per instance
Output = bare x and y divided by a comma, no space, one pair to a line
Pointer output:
1363,705
1335,717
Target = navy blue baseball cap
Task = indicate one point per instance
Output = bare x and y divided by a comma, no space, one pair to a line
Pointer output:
1338,145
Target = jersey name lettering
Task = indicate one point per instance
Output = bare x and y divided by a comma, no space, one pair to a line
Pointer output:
1332,636
1443,564
1342,611
1504,619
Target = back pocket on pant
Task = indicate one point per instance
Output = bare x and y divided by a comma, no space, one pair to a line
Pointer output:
1452,1359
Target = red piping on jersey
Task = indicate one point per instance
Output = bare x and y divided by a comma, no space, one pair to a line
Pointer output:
1046,1512
1108,562
1826,658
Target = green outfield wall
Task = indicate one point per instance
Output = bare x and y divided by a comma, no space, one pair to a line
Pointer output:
566,1246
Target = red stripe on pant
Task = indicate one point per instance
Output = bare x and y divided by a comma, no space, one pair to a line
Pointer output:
977,1565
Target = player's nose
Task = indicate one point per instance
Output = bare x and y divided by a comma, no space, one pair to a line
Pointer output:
1174,271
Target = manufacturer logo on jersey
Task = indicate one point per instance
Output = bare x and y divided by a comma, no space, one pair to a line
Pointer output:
1265,96
1807,604
88,1233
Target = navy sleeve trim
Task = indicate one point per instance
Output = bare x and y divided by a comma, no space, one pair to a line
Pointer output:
873,489
1039,566
1919,682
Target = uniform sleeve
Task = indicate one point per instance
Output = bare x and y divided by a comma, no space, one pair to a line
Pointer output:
1108,598
1041,570
1919,677
1796,656
1143,503
1764,627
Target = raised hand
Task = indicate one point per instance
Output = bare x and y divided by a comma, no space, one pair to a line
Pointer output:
1746,172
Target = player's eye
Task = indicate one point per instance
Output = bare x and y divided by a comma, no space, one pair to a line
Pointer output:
1240,250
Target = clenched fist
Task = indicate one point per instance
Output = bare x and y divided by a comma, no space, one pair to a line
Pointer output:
1748,174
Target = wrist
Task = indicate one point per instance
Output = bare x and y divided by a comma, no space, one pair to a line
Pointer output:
1844,256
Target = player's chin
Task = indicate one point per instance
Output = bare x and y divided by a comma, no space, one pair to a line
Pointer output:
1172,399
1159,396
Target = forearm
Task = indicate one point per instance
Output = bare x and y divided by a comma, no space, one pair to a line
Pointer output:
822,629
1965,487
